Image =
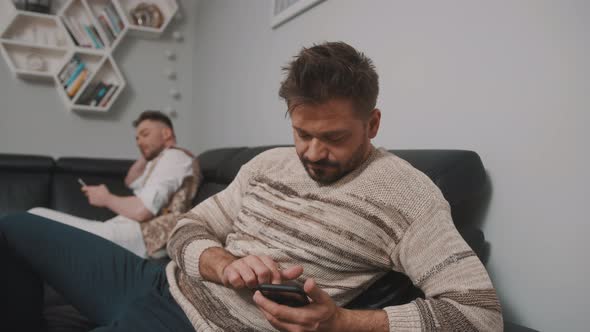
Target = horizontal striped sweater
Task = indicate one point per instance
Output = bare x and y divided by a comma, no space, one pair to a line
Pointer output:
385,215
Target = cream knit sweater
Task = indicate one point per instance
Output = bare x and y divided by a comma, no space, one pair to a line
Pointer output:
385,215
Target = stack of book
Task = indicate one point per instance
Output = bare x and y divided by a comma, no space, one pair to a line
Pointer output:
98,94
73,76
110,21
83,32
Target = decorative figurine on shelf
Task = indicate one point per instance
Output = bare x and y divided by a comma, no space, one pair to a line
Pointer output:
35,62
39,6
147,15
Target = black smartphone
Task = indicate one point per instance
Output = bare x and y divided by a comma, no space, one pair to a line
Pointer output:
289,295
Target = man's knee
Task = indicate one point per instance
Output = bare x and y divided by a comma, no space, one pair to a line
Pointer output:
11,220
11,225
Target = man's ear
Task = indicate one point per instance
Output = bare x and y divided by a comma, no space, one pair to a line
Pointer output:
167,133
374,121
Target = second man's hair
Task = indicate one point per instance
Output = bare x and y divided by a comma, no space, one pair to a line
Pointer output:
154,116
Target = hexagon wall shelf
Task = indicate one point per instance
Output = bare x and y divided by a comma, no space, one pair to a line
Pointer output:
73,46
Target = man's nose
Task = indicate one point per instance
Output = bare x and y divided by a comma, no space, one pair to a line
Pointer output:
316,151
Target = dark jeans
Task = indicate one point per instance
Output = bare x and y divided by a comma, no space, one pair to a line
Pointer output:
111,286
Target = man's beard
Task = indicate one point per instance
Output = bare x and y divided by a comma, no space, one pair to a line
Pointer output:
151,155
321,175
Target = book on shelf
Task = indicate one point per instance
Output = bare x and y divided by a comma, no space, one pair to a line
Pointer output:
83,34
103,21
96,40
81,66
97,94
77,83
76,31
114,18
101,93
88,93
83,31
97,89
74,75
70,30
105,100
68,70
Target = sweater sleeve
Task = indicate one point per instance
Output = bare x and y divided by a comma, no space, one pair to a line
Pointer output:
459,295
206,225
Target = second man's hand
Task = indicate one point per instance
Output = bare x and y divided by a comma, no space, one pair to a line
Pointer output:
97,195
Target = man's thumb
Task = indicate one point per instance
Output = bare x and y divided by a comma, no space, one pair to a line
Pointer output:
314,292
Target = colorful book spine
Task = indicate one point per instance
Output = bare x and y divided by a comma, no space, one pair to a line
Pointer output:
69,69
70,30
114,18
106,27
97,87
110,22
71,91
105,100
90,31
99,95
75,74
70,23
83,37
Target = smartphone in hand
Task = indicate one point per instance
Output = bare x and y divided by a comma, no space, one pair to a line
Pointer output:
289,295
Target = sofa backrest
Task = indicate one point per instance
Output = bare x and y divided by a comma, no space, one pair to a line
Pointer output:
30,181
25,182
458,173
65,192
220,167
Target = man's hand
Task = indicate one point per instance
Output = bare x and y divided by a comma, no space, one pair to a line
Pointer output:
97,195
321,314
251,271
135,170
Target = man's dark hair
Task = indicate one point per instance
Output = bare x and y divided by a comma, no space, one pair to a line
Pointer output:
331,70
154,116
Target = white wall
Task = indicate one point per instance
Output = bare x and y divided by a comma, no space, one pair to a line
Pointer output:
508,79
34,120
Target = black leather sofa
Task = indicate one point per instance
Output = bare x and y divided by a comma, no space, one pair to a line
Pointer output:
39,181
30,181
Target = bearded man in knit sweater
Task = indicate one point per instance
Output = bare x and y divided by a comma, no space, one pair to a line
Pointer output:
333,214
